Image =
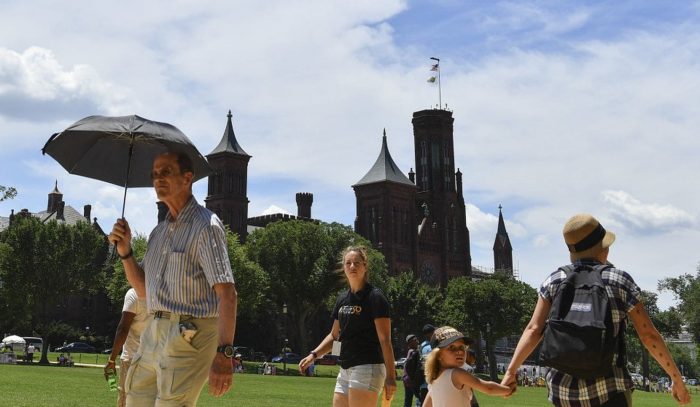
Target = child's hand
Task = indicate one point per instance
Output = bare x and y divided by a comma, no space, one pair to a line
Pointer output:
509,380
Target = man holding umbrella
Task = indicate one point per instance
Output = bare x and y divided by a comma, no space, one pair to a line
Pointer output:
188,284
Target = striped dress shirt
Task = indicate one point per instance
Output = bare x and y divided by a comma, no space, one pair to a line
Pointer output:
185,258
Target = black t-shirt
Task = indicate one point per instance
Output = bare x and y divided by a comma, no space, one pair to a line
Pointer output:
356,313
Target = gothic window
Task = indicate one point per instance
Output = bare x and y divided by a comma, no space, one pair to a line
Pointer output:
373,225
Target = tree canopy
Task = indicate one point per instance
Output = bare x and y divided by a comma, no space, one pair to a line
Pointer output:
413,304
493,308
686,289
42,264
7,193
302,260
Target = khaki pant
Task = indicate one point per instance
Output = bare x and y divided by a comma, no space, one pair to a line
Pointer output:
167,370
123,369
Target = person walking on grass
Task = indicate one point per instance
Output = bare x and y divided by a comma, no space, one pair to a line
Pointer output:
589,246
362,325
127,339
449,385
188,285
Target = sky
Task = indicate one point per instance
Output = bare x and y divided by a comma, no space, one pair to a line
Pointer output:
559,108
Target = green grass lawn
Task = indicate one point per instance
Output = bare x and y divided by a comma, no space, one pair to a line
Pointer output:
36,386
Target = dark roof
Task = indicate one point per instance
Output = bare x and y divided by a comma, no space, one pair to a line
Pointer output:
70,216
228,143
384,169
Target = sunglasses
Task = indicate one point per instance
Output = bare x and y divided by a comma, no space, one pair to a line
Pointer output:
457,348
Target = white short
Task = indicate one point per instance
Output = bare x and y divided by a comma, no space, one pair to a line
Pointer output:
363,377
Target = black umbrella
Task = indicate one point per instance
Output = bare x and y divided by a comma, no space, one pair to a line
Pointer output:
120,150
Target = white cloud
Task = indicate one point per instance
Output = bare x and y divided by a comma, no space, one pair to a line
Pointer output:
542,129
646,217
35,86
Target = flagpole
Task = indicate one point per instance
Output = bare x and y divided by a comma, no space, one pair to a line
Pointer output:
439,84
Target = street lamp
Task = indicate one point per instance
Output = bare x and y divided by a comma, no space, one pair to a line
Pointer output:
284,330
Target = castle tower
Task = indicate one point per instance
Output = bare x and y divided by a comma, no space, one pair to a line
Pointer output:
228,184
502,250
443,251
386,211
304,202
55,199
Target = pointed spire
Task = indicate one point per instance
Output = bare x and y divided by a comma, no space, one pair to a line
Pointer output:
384,169
55,188
228,143
501,223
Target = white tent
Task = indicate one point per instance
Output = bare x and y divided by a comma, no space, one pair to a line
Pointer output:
13,339
15,342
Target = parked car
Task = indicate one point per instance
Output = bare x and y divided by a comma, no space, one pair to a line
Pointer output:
288,358
692,382
399,363
77,347
327,359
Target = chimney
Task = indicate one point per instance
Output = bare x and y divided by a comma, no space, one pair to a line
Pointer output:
59,211
412,176
162,210
86,211
304,202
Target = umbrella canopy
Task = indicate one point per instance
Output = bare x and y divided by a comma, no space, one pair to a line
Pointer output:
13,339
120,150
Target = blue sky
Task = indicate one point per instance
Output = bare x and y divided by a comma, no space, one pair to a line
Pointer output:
560,107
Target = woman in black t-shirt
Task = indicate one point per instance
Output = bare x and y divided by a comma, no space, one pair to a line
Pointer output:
362,325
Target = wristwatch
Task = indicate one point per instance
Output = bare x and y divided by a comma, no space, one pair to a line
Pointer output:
227,350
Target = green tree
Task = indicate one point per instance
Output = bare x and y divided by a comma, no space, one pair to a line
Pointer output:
490,309
252,283
118,285
41,265
7,193
413,304
302,262
686,289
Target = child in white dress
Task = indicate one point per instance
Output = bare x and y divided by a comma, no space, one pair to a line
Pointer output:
450,385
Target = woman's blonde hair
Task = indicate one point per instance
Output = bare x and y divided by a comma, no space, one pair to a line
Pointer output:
362,251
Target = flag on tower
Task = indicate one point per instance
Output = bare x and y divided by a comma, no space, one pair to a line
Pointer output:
432,79
435,67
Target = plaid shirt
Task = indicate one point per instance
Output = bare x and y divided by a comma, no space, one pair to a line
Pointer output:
568,391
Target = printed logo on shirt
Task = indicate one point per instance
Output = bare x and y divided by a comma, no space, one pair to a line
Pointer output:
350,310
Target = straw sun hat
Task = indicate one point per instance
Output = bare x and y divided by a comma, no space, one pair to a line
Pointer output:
586,237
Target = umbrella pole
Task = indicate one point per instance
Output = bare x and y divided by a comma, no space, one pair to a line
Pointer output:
128,172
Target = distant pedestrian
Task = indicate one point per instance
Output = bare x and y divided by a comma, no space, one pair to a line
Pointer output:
425,349
412,370
30,353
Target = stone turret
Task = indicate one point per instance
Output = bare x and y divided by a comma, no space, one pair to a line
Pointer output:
304,202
